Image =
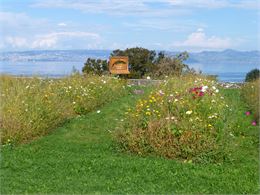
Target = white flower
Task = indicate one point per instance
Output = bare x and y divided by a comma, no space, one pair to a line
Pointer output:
27,86
189,112
204,88
74,102
148,78
213,101
161,92
69,87
104,82
214,87
217,90
98,111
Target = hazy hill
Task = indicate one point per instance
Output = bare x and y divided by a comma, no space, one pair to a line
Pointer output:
223,61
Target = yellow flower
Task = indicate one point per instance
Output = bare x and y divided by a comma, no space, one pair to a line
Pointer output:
209,125
148,113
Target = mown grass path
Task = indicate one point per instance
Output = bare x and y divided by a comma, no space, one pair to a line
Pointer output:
80,158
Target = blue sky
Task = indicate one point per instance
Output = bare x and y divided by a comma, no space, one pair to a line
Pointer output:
176,25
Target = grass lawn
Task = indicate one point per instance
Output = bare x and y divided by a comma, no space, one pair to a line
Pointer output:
81,157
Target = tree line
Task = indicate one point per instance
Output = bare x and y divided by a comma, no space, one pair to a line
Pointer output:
142,63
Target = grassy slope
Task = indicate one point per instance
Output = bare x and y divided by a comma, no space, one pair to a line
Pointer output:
80,158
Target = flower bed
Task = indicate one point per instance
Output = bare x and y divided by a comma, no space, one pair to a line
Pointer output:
31,107
183,119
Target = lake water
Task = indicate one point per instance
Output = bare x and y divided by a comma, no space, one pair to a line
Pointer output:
58,69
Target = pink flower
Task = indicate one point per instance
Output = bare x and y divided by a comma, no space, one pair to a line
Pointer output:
201,93
254,123
247,113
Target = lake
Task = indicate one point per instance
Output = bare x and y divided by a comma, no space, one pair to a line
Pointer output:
59,69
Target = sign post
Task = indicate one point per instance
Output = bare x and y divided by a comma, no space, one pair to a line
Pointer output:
118,65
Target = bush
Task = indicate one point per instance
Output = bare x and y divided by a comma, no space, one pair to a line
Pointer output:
95,66
183,119
172,66
141,60
252,75
31,107
250,93
144,62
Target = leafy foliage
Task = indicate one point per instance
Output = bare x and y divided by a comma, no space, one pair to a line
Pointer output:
141,60
146,62
172,66
252,75
95,66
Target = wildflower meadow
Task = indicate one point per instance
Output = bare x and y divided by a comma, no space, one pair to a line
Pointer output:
100,134
32,107
182,119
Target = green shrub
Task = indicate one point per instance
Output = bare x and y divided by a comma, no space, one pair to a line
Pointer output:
95,66
183,119
252,75
31,107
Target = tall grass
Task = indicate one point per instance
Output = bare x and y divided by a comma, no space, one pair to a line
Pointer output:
250,93
183,119
31,107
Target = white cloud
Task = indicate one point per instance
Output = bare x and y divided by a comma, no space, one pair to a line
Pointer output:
163,24
20,31
16,42
10,21
143,7
62,24
216,4
199,41
53,40
113,7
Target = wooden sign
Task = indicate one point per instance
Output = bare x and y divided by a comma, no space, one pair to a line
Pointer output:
118,65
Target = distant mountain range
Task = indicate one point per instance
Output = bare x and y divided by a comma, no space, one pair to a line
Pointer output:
227,60
224,61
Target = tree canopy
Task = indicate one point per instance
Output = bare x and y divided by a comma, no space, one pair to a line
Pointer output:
142,62
95,66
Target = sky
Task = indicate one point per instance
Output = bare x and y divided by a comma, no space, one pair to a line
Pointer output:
173,25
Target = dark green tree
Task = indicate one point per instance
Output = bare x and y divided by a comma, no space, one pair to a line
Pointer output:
141,60
95,66
252,75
